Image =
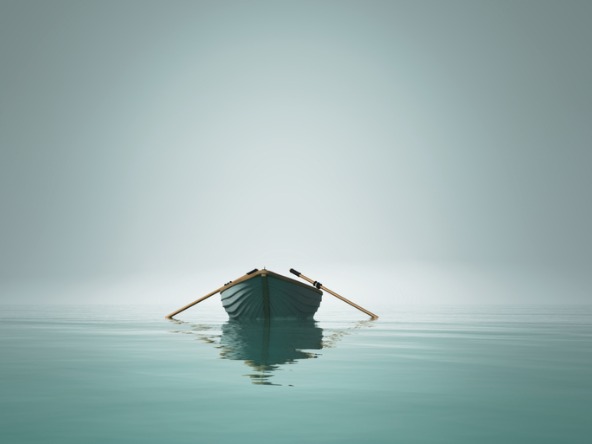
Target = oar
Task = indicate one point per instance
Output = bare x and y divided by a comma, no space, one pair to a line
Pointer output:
322,287
203,298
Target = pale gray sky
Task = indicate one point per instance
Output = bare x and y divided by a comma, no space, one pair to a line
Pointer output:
147,137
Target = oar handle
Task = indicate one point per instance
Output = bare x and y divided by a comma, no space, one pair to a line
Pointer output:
320,286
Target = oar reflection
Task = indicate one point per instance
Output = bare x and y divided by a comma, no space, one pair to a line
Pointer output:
266,345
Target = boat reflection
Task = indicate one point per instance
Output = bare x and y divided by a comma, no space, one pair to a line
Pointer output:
265,345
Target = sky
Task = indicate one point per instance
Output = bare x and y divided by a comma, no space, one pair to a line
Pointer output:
162,142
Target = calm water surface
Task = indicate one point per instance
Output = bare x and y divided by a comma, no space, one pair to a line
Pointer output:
417,375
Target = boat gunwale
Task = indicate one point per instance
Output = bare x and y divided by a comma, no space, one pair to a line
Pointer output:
264,273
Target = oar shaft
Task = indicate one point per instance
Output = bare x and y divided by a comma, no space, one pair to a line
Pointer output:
322,287
203,298
353,304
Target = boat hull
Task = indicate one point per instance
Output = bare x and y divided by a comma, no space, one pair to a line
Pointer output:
268,295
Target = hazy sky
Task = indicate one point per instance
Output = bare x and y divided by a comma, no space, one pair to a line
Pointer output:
165,136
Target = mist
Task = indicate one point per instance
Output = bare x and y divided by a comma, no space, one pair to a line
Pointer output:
407,151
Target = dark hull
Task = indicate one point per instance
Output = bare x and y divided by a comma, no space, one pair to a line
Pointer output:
267,295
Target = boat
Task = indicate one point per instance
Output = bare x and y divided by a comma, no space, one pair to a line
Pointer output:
263,294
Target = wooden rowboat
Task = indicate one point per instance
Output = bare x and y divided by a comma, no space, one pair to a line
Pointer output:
263,294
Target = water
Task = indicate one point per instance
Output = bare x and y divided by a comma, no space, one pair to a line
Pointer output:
417,375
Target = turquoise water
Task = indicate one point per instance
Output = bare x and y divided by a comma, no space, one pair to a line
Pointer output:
417,375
